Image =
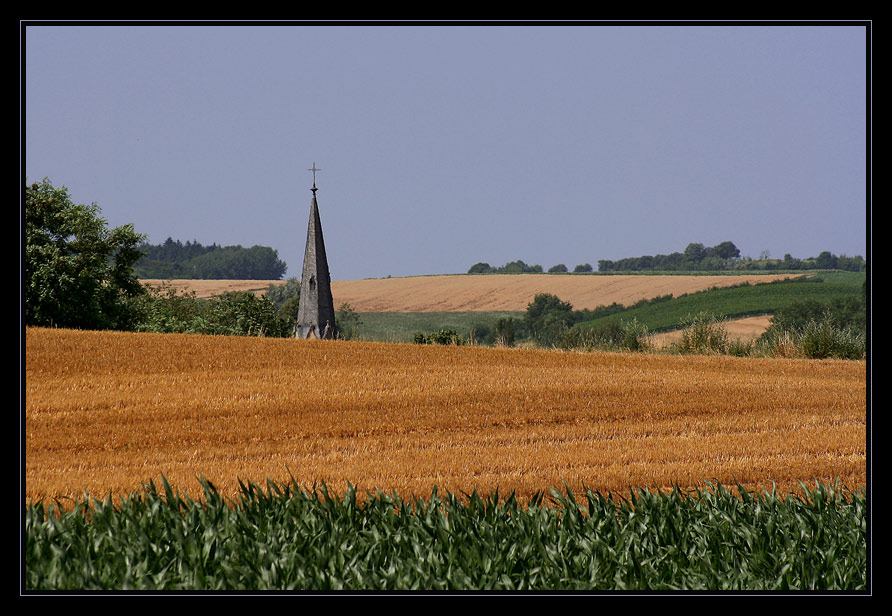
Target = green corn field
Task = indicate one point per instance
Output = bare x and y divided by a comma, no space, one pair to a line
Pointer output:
281,537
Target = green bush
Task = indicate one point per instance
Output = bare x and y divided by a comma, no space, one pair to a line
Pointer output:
628,335
236,313
703,333
348,322
443,336
823,339
504,332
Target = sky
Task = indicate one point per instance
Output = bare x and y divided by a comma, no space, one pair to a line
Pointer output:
440,146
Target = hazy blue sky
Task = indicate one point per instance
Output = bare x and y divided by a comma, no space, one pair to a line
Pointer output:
441,146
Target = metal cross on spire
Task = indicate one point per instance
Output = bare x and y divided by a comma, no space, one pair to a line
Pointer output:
314,170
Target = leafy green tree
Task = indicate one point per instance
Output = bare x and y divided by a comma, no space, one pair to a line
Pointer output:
515,267
288,311
281,293
77,272
164,310
695,252
825,260
241,313
480,268
560,268
584,267
547,317
173,259
726,250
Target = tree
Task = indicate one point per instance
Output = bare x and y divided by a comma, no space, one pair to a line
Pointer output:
694,252
281,293
516,267
825,260
547,317
77,272
560,268
726,250
480,268
585,267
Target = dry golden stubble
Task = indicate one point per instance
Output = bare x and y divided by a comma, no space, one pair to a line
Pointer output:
107,411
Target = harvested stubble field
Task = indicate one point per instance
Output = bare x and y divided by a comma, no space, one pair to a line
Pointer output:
491,292
105,412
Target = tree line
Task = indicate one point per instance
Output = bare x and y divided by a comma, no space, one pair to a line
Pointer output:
519,267
726,256
696,258
173,259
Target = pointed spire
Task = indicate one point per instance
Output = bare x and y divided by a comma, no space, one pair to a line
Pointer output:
315,314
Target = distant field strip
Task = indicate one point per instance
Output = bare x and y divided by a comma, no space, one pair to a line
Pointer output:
105,412
512,292
495,292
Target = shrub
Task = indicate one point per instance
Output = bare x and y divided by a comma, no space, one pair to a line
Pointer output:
776,343
703,333
348,322
235,313
608,336
504,332
820,338
443,336
740,348
823,339
634,335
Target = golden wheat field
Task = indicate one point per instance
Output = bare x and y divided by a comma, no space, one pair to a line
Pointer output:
105,412
463,293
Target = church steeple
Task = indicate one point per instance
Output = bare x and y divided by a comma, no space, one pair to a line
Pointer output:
315,314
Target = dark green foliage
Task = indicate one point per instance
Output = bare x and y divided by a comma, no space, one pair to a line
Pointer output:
286,299
607,336
289,310
560,268
514,267
402,326
281,293
821,329
236,313
733,302
504,332
443,336
585,267
173,260
287,538
76,271
726,256
348,322
481,333
240,313
843,312
703,334
481,268
547,317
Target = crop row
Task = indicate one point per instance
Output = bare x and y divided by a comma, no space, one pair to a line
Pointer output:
286,538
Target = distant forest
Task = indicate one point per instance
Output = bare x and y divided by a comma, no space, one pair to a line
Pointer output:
176,260
695,258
